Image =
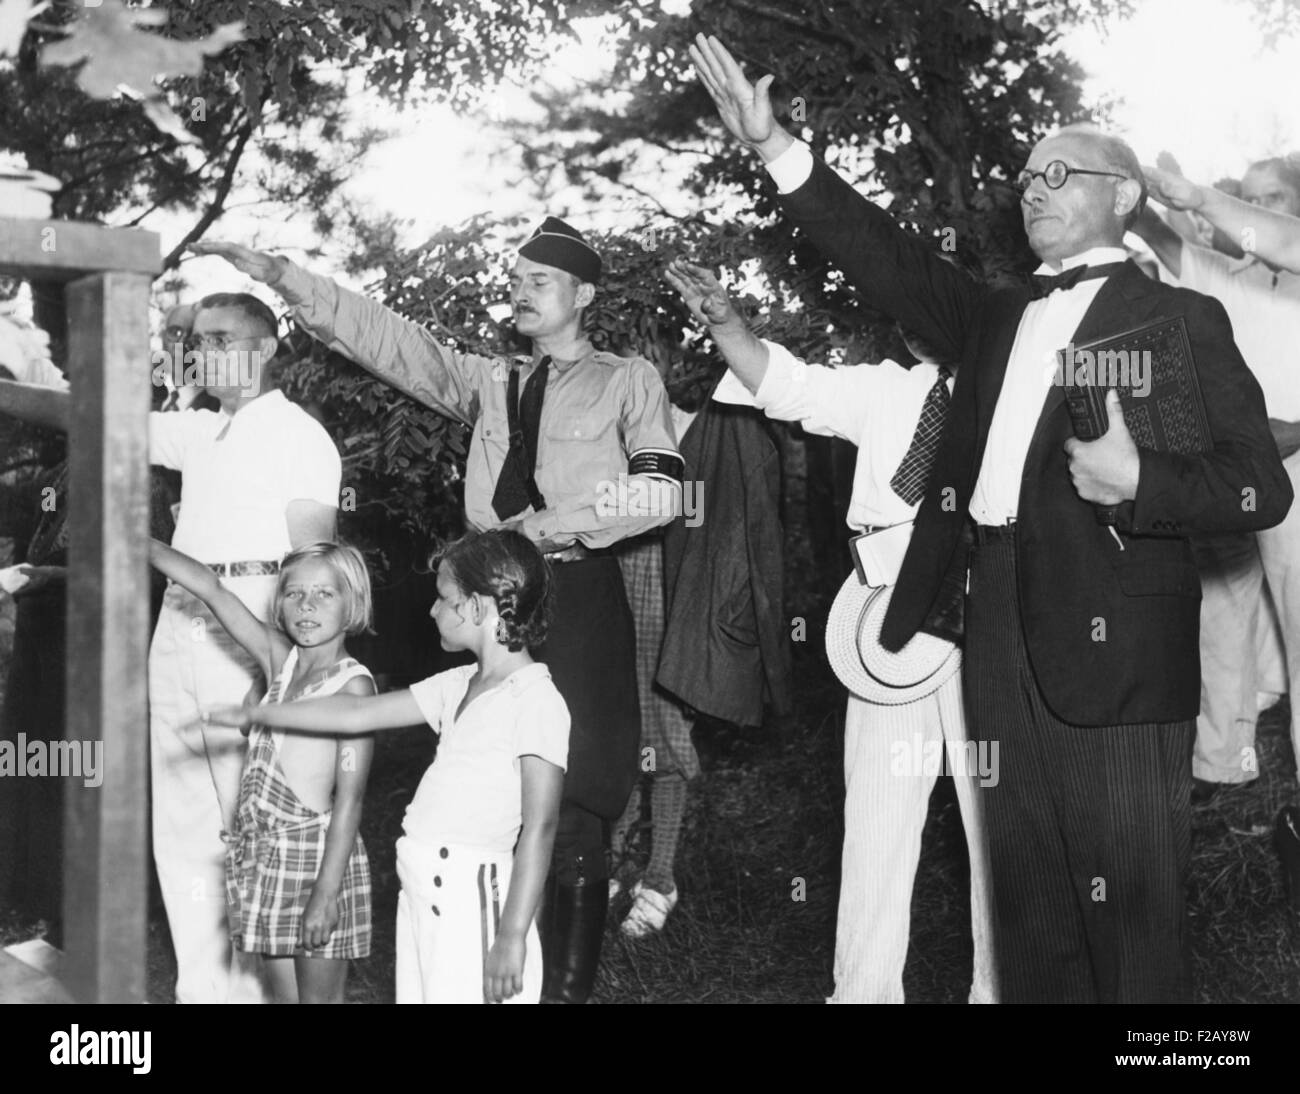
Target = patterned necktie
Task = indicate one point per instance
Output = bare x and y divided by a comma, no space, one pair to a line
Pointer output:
515,489
909,480
1040,285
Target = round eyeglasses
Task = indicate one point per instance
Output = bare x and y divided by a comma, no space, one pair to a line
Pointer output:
217,342
1055,175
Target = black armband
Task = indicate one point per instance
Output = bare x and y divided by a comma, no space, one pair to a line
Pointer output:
657,463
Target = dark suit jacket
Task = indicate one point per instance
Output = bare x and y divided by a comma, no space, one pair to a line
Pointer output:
726,645
1073,579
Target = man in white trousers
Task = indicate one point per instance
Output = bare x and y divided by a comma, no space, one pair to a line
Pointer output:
893,415
258,479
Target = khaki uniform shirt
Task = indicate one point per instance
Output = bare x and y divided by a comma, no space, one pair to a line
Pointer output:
601,415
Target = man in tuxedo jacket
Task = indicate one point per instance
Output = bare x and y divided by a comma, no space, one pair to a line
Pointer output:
1081,655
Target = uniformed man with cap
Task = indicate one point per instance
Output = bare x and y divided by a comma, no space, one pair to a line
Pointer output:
553,434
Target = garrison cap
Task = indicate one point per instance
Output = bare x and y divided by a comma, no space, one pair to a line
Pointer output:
557,244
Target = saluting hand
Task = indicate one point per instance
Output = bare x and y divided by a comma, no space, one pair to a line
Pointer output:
745,108
1106,471
702,292
258,265
1171,189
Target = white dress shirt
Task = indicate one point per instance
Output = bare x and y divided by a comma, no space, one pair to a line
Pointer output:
1047,325
235,488
875,407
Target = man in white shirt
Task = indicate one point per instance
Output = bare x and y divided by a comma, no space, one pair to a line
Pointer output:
258,478
1263,303
879,408
1080,636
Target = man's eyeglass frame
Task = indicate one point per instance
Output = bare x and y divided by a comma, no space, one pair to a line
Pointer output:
1026,178
218,342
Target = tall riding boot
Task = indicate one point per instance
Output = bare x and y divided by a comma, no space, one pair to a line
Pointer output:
577,931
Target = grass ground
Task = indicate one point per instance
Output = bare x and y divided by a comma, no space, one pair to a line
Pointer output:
767,814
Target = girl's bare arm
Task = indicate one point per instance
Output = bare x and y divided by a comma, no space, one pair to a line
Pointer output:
543,784
341,715
262,640
352,768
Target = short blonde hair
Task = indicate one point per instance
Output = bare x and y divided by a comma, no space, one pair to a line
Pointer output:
349,567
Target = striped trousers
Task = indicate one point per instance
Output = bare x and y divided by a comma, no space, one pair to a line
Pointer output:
892,756
1089,827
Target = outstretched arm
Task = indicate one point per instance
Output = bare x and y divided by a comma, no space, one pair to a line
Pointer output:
35,403
745,108
709,303
394,349
1275,237
262,641
543,782
894,271
340,715
1162,239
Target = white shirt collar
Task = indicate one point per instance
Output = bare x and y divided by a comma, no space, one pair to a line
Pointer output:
264,403
1095,256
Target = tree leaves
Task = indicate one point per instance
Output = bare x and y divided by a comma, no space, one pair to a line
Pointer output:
118,56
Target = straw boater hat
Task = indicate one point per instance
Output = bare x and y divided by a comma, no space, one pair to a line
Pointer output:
869,670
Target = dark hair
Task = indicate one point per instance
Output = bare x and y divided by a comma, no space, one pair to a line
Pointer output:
508,567
251,307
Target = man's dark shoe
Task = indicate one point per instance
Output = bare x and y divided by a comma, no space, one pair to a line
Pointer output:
1286,838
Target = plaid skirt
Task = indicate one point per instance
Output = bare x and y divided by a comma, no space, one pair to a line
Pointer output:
664,724
272,861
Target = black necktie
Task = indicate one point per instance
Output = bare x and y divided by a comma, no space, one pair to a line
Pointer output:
1042,284
909,480
516,489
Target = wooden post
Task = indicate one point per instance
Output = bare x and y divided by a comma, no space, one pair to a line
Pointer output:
105,896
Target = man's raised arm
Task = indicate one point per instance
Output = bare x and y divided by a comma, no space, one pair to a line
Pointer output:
898,273
744,352
397,350
1273,236
828,401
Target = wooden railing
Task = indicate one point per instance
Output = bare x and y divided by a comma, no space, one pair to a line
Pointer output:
108,273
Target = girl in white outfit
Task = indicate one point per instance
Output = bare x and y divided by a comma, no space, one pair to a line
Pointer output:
478,835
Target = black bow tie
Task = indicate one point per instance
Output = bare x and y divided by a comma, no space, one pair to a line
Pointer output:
1040,285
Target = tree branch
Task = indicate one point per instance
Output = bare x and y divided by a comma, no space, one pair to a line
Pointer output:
217,205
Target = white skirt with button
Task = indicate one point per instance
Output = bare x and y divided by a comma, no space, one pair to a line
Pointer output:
447,916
